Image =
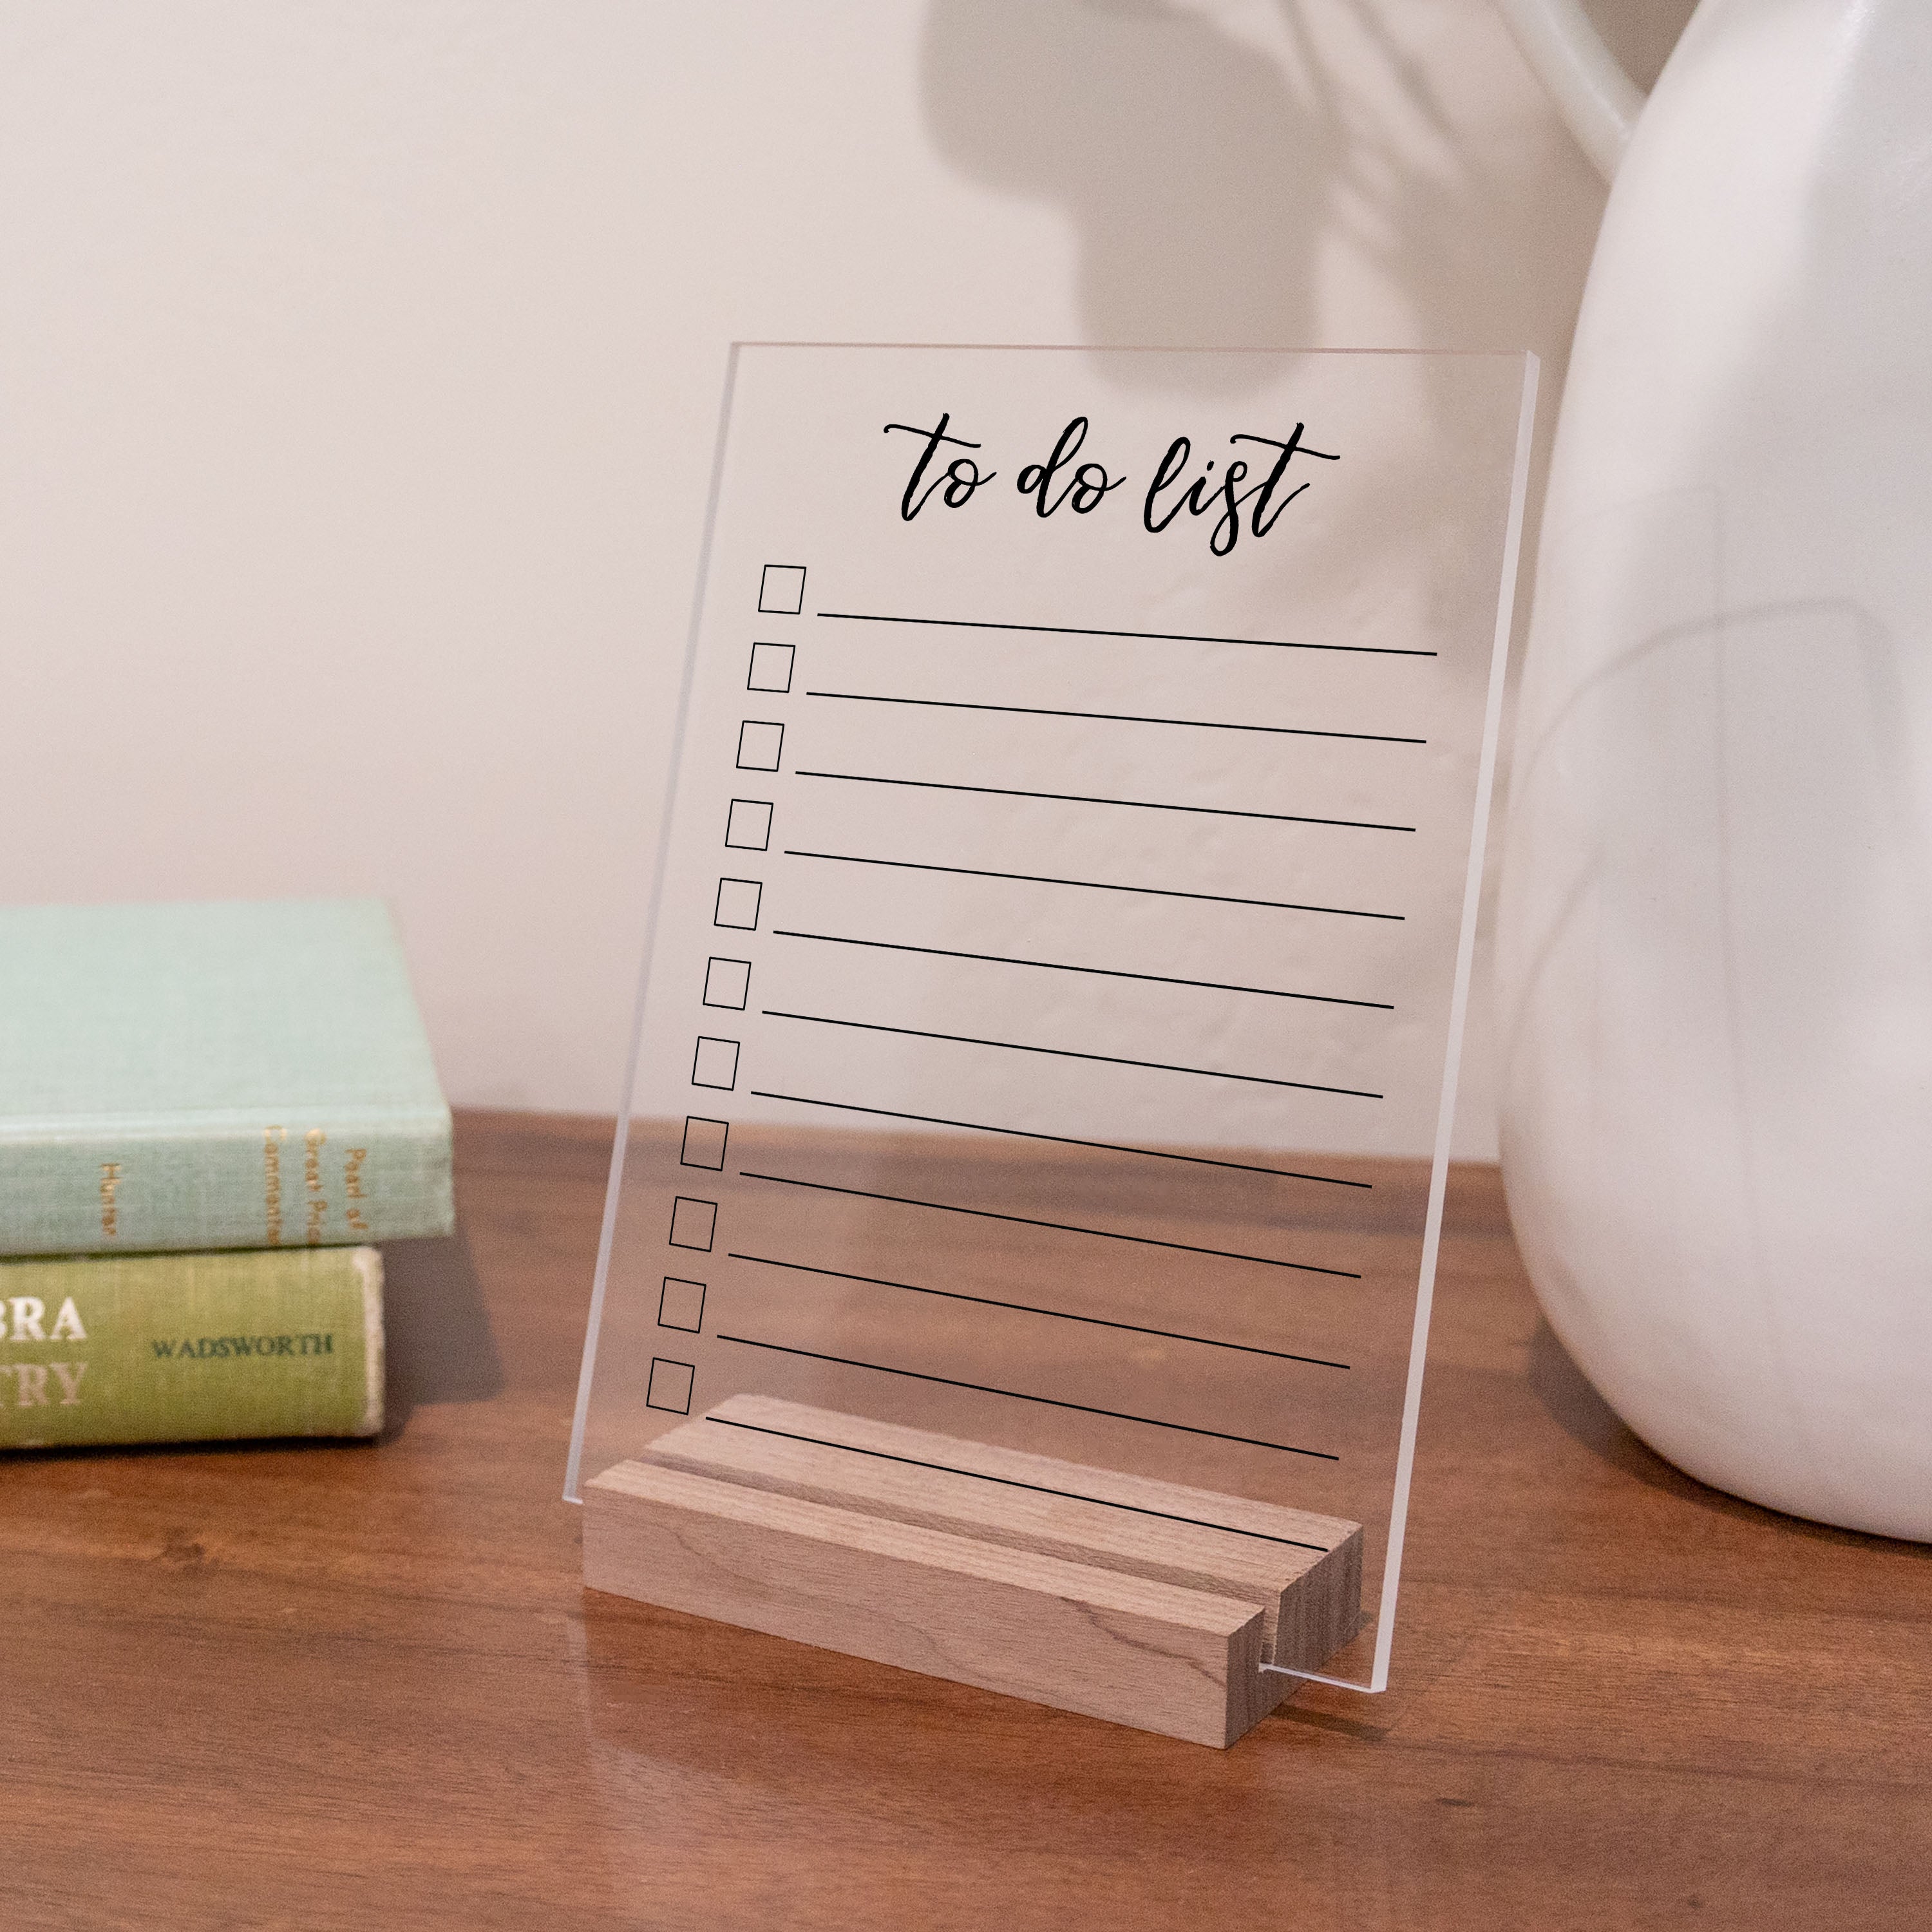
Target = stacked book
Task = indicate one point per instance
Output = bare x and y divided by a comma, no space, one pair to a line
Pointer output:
209,1113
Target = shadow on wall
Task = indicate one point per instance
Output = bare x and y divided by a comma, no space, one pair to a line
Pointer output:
1208,175
1168,144
1209,179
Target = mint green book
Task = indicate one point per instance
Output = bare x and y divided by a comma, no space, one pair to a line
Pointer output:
238,1074
191,1347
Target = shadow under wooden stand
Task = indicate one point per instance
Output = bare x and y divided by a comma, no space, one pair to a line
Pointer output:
1146,1603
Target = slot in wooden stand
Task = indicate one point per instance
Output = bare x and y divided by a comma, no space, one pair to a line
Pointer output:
1143,1602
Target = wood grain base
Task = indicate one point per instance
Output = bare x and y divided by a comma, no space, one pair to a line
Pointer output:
1142,1602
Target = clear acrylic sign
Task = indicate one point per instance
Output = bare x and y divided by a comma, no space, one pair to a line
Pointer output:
1064,924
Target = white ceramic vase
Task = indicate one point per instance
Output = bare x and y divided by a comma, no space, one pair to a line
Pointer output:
1715,946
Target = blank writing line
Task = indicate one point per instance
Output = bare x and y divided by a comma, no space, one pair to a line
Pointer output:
1057,966
1063,1140
1026,1308
1157,637
1091,885
1059,1227
1069,1053
1020,1395
1013,1483
1114,717
1082,798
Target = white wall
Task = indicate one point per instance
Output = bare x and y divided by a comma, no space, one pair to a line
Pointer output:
359,363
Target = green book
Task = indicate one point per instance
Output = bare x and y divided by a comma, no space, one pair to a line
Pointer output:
240,1074
191,1347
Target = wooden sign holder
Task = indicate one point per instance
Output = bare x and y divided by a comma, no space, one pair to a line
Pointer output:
1145,1602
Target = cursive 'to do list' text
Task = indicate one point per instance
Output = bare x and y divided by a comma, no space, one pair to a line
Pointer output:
950,468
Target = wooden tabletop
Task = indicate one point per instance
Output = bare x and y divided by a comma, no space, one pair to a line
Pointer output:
314,1686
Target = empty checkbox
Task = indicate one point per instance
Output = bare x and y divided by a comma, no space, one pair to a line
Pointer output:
728,982
693,1223
681,1305
771,667
703,1142
759,745
714,1063
738,904
782,589
669,1386
748,825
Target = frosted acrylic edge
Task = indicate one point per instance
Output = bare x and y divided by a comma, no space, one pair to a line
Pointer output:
1452,1067
613,1189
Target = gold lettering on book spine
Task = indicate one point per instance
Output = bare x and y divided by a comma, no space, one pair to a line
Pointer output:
318,1207
352,1188
272,1138
110,1185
